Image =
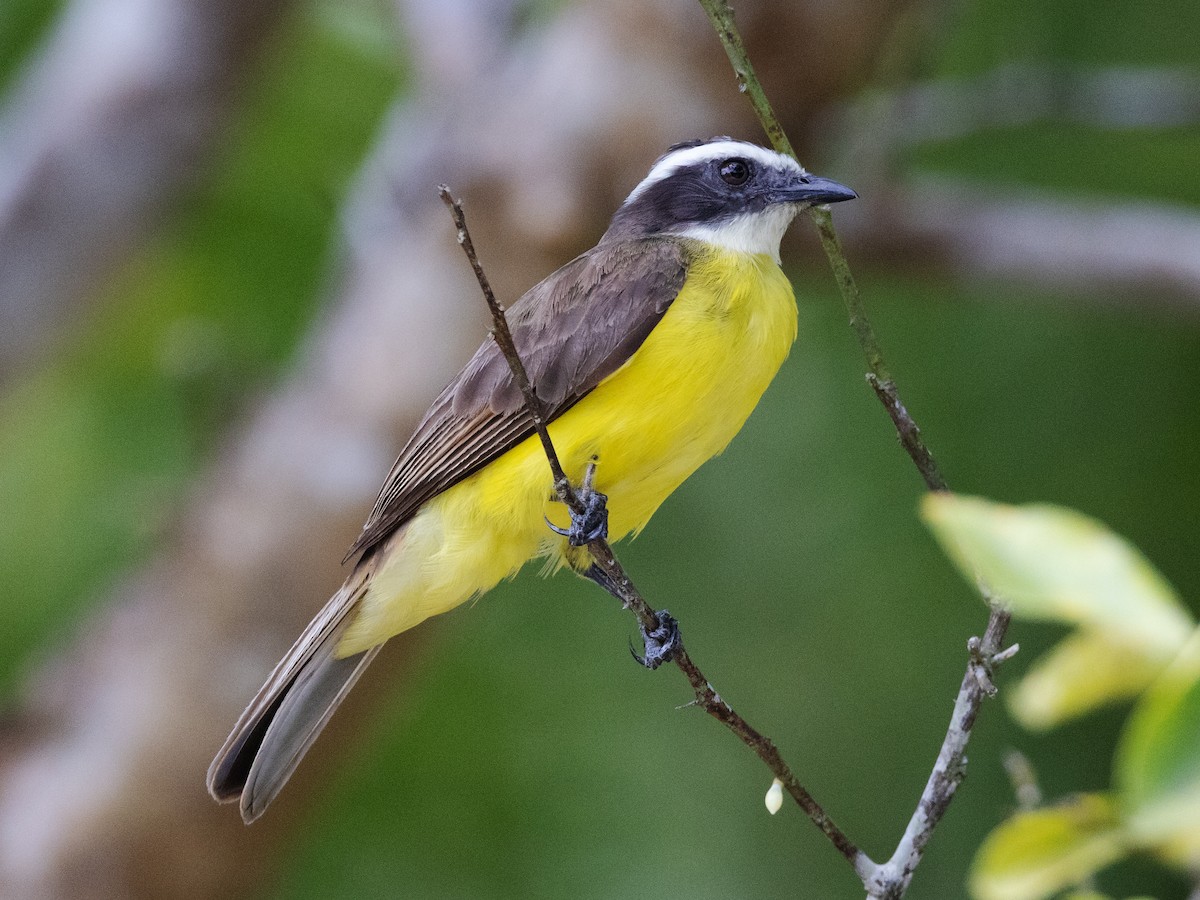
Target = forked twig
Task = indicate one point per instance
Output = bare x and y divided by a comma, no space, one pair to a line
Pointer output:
705,696
888,880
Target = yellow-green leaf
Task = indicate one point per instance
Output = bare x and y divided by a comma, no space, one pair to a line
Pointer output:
1085,670
1157,769
1036,854
1049,562
1181,849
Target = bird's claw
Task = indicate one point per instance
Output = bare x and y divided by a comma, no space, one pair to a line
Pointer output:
591,522
661,642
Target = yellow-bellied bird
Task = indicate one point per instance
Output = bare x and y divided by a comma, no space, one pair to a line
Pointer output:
648,353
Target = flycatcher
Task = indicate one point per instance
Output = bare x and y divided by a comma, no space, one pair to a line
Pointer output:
648,353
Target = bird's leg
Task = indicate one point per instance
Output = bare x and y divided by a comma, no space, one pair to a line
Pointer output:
590,523
660,642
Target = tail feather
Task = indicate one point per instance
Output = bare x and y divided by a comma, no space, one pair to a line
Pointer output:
299,697
299,717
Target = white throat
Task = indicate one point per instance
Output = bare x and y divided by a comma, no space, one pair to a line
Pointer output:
758,232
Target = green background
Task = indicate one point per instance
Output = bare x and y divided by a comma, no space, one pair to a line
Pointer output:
531,758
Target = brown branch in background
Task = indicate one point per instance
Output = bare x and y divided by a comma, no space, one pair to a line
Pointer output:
891,879
1109,251
706,697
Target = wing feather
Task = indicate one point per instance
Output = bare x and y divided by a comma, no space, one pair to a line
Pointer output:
572,330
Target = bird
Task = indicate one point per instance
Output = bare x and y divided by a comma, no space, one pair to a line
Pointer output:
647,353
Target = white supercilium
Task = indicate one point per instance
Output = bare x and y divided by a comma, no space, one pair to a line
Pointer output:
688,156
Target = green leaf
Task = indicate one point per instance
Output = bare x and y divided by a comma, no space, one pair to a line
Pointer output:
1085,670
1157,767
1038,853
1049,562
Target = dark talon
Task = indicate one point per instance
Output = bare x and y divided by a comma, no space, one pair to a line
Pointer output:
592,523
661,643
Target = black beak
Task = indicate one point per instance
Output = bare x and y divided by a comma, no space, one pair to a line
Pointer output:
811,191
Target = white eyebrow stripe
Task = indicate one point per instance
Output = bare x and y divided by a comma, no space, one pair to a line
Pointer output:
688,156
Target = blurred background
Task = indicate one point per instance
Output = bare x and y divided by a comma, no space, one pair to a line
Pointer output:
228,290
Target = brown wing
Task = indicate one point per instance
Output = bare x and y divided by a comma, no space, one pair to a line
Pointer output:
572,330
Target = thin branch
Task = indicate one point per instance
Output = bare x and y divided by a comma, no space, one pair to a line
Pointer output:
706,697
503,337
891,879
721,16
908,432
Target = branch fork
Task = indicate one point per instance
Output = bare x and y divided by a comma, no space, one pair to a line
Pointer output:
883,881
889,881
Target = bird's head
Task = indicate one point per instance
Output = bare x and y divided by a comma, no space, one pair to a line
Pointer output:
732,194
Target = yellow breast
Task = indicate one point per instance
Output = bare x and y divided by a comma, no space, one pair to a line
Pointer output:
676,403
687,391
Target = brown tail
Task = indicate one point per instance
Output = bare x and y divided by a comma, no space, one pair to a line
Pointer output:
284,719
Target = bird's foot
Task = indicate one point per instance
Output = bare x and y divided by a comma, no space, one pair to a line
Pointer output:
590,523
661,642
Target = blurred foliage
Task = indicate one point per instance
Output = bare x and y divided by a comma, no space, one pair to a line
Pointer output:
1072,37
1053,563
1037,853
96,448
1083,33
1146,164
803,580
828,621
22,22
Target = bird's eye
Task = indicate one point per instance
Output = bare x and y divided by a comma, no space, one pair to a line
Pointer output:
735,171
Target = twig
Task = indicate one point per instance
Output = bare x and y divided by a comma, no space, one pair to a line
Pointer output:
706,697
721,16
908,432
503,337
890,880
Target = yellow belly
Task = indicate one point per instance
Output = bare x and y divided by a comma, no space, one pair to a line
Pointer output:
676,403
